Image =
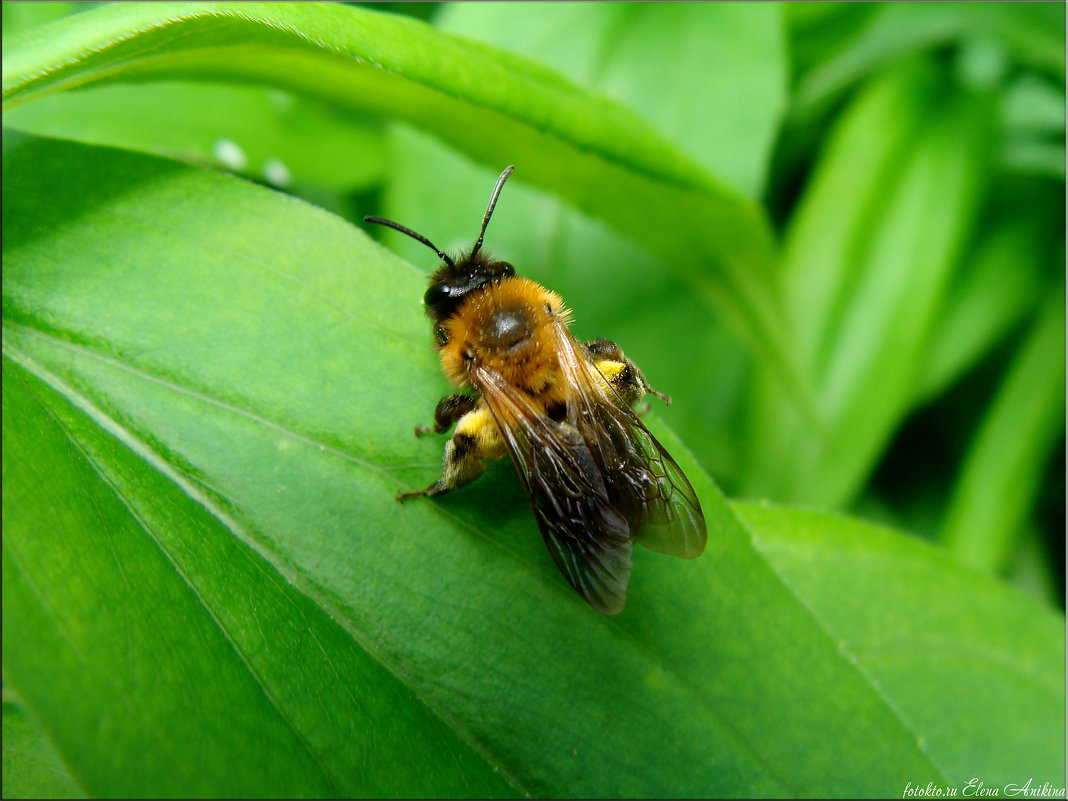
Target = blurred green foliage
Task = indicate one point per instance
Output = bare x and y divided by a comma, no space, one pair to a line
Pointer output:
834,233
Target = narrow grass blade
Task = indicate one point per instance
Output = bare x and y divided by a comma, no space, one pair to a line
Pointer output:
1003,468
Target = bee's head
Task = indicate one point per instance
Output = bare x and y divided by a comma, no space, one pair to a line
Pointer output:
453,281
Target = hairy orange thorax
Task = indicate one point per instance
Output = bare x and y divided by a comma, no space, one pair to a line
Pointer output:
507,325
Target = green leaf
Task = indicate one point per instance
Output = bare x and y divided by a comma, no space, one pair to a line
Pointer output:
23,16
869,372
1031,571
190,688
496,108
936,653
983,306
834,217
31,768
1034,156
866,290
711,77
1033,31
267,134
844,199
1002,471
1033,105
209,393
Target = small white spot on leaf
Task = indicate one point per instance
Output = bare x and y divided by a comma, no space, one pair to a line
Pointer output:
276,172
230,154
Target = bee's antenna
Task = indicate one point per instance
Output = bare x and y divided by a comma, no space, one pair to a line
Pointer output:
492,203
398,227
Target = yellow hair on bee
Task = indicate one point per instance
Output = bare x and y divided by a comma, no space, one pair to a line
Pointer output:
506,325
609,368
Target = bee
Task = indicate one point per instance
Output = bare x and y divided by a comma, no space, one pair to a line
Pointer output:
595,477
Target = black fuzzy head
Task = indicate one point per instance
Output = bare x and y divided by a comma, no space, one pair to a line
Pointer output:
454,280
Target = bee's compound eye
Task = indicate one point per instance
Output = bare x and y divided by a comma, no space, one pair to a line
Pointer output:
435,294
507,269
441,335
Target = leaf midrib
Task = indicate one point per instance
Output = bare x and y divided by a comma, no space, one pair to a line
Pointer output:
841,646
994,657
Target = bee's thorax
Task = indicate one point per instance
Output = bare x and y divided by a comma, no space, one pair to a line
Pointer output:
506,326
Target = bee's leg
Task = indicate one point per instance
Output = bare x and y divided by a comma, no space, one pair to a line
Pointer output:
475,440
621,372
449,409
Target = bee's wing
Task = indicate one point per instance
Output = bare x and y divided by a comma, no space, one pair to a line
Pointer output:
644,482
589,540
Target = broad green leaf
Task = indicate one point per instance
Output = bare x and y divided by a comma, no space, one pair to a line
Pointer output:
209,394
1003,469
31,769
266,134
188,685
209,656
496,108
860,581
23,16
